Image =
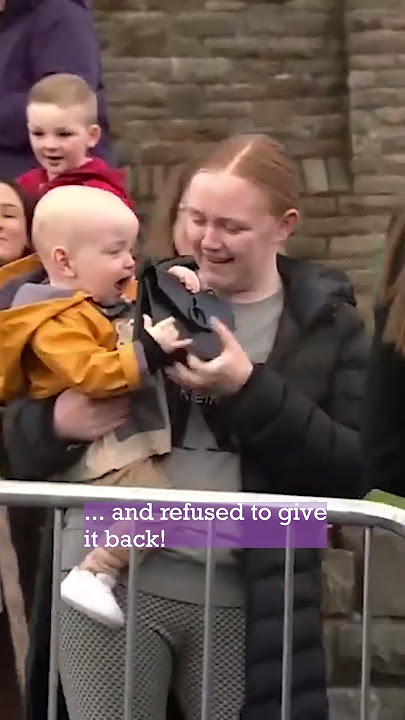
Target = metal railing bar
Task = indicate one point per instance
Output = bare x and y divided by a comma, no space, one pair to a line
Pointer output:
286,682
130,635
69,495
366,630
53,679
207,647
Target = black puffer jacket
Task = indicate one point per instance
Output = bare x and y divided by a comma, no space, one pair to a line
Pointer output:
296,425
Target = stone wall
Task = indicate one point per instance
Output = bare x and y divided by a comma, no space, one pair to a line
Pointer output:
326,78
342,606
322,76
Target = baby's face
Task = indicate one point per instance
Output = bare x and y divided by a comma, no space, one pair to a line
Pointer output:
60,138
104,265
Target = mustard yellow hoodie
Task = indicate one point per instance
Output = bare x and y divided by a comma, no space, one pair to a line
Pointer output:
63,342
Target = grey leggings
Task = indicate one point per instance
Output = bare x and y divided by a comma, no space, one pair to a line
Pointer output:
169,650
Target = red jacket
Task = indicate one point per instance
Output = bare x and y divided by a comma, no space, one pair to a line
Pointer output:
94,173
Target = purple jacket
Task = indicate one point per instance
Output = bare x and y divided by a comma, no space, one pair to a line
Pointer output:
38,38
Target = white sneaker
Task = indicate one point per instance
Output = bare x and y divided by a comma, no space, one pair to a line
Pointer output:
92,595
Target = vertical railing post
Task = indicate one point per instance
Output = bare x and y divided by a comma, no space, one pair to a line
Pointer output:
130,633
207,649
55,610
366,629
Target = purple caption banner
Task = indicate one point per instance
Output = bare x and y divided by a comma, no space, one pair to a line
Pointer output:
194,525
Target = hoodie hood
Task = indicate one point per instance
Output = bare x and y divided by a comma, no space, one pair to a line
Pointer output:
17,326
313,289
36,40
95,172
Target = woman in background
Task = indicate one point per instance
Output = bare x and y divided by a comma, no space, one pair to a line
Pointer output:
384,416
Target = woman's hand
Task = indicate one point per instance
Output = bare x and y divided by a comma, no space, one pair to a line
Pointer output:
79,418
224,375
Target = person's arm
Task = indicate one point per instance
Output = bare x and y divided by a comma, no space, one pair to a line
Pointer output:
383,433
304,449
67,347
46,437
59,26
33,449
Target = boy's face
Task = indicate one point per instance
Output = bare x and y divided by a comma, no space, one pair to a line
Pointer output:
104,264
59,137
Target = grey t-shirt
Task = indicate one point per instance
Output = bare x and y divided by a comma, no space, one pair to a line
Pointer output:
199,465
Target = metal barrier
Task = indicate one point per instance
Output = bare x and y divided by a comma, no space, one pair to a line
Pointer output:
61,496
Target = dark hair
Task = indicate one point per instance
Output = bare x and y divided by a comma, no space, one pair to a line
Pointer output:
391,291
158,239
28,204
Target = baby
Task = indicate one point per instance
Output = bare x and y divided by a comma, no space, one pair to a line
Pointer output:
76,331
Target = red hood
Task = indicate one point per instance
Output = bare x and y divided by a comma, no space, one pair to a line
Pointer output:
95,173
95,169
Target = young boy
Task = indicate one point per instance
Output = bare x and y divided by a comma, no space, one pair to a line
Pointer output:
76,332
62,126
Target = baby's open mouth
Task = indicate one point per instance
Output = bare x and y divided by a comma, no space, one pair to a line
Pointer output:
121,284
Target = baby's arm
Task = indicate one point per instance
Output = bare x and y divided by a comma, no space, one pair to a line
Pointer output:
186,276
68,347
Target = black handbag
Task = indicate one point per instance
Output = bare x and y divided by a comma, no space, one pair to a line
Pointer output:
162,295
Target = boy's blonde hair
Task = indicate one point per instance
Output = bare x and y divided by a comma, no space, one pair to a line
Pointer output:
66,90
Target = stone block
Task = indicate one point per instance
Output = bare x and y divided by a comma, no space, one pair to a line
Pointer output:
368,204
148,68
376,41
364,281
345,704
379,184
177,46
385,704
393,164
307,247
317,126
387,647
127,93
373,19
185,100
224,5
357,245
320,63
309,148
207,24
279,48
390,78
371,62
262,19
361,79
316,176
329,643
236,91
211,130
345,225
200,69
387,570
338,579
318,206
227,109
361,98
391,115
339,175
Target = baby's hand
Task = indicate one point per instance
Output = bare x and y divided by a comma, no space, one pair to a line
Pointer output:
165,333
187,277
